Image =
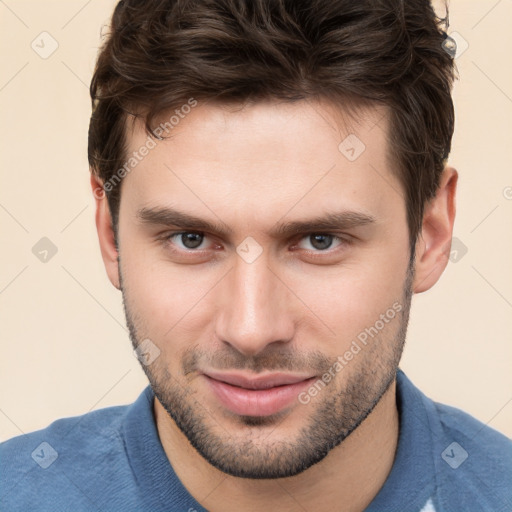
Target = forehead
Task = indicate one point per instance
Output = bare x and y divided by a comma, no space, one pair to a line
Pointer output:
264,157
261,120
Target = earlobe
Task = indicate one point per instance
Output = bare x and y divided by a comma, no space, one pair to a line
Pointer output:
105,231
434,241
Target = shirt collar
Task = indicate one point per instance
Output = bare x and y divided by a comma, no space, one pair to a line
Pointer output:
411,481
160,487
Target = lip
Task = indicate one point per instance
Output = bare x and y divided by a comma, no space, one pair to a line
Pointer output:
261,395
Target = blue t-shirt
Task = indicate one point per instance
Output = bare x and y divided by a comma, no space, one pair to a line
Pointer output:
112,460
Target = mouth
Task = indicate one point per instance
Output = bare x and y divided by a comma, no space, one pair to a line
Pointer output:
261,395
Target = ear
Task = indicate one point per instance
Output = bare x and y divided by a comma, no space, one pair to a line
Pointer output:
434,242
106,237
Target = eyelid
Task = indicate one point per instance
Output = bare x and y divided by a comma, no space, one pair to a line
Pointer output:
341,239
344,239
166,238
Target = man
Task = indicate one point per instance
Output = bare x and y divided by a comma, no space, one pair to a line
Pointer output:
272,187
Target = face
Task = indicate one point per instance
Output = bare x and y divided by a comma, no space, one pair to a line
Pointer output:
265,272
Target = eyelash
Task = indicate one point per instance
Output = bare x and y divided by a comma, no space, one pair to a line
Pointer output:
166,238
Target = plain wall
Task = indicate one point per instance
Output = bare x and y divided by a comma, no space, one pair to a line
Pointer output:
64,345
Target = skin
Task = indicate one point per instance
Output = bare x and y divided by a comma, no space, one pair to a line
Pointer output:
297,307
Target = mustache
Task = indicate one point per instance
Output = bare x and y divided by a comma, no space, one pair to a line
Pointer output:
270,359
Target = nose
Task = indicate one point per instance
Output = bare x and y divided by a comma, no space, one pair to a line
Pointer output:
256,308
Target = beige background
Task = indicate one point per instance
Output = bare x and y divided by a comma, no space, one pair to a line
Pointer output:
64,345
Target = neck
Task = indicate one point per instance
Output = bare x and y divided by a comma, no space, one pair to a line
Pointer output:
352,473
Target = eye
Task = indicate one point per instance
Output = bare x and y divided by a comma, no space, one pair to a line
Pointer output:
322,241
190,240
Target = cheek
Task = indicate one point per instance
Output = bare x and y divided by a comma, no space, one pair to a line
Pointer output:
166,298
353,297
176,305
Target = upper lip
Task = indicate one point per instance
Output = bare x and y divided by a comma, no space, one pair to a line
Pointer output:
266,381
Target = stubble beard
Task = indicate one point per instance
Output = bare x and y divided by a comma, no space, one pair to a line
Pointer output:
257,451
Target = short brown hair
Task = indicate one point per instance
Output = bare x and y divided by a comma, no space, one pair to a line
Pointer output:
160,53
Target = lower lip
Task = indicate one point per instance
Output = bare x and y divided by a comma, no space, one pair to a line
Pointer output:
259,402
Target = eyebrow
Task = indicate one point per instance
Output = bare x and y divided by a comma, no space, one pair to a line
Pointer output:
168,216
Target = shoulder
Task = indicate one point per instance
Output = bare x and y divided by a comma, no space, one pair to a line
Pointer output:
473,461
40,466
90,428
467,464
481,445
481,438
